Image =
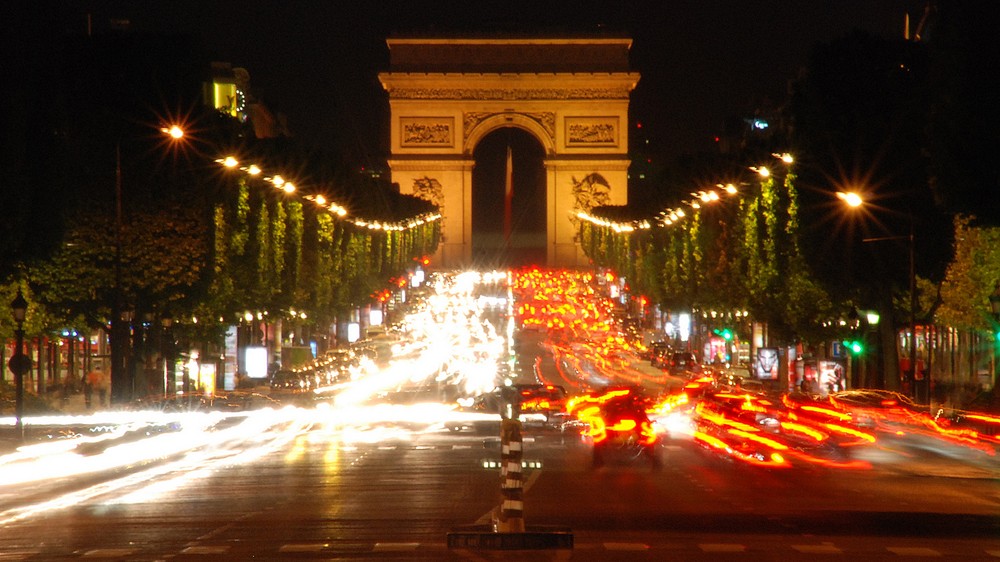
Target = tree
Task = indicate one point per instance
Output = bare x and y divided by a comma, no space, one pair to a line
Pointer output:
971,276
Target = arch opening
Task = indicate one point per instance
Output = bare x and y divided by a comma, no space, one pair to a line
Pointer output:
524,241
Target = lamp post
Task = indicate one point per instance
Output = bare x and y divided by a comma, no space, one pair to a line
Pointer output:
119,359
854,200
911,374
122,354
995,309
169,382
20,362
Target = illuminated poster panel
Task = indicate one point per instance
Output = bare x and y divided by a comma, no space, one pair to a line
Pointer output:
256,362
766,365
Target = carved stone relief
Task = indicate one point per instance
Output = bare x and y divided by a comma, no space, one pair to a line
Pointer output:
592,131
426,131
591,191
429,189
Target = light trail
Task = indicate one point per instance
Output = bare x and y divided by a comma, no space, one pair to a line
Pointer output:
448,349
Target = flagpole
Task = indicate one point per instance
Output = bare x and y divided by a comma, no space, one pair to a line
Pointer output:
508,199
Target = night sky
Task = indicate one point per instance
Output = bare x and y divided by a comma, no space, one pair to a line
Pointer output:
317,62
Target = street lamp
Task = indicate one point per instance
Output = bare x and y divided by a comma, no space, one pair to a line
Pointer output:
19,363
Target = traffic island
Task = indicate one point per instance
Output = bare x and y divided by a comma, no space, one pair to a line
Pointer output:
483,537
508,530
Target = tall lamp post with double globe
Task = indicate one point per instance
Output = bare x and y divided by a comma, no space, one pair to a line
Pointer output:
19,363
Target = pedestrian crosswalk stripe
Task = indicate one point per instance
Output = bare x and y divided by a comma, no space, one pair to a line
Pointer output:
913,551
817,548
221,549
395,546
109,553
625,546
722,547
18,555
310,547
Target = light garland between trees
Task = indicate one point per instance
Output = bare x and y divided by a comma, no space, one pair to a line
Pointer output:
286,186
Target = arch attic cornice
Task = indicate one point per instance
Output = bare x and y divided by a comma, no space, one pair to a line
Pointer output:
509,86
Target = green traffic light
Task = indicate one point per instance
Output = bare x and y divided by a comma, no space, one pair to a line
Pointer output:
726,333
854,346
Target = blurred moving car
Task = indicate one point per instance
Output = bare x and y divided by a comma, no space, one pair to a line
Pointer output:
295,387
736,378
617,422
234,401
542,404
682,363
658,353
546,400
980,425
875,407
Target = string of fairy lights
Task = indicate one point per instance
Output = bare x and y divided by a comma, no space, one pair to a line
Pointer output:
664,218
286,186
674,215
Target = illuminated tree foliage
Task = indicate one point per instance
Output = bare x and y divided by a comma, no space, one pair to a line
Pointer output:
741,254
255,251
971,277
276,253
163,256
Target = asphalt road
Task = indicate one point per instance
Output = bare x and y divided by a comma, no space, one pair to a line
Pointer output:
320,498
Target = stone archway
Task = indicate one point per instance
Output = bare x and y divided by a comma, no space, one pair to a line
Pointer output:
572,95
519,238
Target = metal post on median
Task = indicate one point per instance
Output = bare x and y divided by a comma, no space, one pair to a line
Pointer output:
511,480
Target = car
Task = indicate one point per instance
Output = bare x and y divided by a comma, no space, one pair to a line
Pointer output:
736,378
658,353
295,386
538,403
871,408
983,425
547,400
618,425
682,362
231,401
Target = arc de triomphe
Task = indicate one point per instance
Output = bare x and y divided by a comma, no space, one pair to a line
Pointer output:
572,95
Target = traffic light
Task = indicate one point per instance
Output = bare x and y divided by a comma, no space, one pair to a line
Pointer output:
725,333
854,346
